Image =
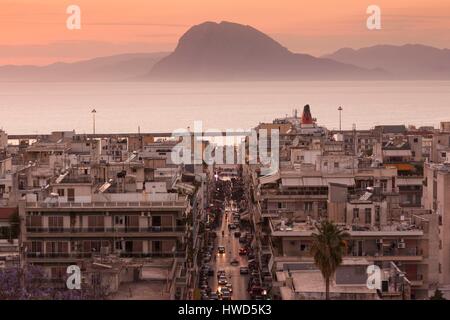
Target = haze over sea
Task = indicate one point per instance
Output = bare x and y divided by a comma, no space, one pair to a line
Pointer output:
163,107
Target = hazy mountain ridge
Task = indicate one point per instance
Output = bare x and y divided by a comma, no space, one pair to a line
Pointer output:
112,68
229,52
409,61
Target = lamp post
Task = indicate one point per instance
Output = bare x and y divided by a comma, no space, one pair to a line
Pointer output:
340,118
93,119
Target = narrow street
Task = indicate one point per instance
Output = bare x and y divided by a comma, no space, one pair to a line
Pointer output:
229,269
222,262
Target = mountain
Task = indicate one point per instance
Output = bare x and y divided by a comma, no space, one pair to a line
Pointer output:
410,61
231,51
113,68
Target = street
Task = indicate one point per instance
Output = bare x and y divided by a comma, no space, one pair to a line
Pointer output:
222,261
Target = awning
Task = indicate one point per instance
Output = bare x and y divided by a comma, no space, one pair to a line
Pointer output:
270,178
402,166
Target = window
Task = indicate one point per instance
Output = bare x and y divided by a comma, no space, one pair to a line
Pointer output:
377,214
156,246
55,223
368,213
71,195
308,206
282,205
156,221
325,163
336,164
61,192
36,246
383,185
96,223
355,213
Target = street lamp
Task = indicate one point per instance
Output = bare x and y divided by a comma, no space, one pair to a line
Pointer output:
93,119
340,118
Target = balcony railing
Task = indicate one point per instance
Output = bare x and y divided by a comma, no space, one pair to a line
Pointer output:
408,252
84,255
105,229
108,204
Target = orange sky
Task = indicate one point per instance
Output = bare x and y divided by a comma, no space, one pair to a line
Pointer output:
34,32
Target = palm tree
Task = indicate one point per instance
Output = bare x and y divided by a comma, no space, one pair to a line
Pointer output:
328,248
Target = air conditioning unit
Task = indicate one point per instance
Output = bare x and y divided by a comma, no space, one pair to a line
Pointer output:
401,245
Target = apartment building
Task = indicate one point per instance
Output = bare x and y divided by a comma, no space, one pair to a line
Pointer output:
436,198
134,209
373,190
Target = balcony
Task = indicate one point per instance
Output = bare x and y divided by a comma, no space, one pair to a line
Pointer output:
272,213
108,204
74,256
107,232
405,254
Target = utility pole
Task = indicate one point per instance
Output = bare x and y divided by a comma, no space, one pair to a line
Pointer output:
340,118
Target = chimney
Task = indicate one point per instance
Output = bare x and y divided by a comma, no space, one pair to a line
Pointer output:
306,116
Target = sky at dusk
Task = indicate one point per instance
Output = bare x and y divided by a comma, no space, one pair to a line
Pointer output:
34,32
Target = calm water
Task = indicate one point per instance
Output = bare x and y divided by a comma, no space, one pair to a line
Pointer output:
122,107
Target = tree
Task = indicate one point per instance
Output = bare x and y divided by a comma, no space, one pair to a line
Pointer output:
30,284
438,295
328,249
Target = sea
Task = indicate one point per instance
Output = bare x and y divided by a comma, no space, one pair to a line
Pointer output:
39,108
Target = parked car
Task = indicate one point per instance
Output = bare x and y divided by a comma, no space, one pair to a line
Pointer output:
232,226
220,273
223,280
206,257
204,296
255,273
234,262
221,249
243,251
206,270
237,234
225,294
265,272
230,287
242,239
213,296
243,270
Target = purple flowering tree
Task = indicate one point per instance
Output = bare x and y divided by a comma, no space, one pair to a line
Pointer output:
31,284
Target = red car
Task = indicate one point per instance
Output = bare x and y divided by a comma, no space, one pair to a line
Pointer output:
243,251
